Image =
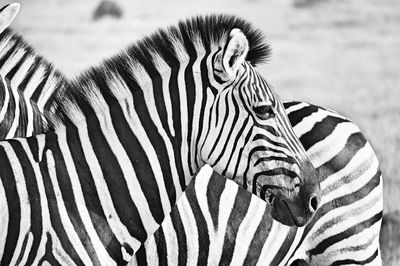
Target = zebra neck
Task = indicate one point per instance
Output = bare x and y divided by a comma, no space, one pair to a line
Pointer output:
29,73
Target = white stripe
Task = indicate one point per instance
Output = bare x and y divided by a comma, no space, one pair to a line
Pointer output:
190,231
35,80
16,81
15,122
323,151
6,102
151,253
5,45
171,241
165,73
296,107
306,125
273,243
217,237
4,215
248,228
47,91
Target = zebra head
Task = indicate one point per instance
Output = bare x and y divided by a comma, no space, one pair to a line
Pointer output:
7,15
250,138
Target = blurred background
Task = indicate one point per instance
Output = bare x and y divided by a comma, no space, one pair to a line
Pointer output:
341,54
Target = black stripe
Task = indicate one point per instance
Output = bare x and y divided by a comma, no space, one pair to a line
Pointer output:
6,123
320,131
16,67
161,247
180,235
201,224
287,105
21,130
259,238
23,249
354,143
326,243
141,256
48,255
34,148
29,74
238,212
10,52
215,187
190,99
297,116
266,138
357,262
284,249
14,209
38,91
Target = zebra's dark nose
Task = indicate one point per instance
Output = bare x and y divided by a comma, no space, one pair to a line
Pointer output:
313,203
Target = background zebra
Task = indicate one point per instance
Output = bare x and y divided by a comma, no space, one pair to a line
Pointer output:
59,159
33,80
216,222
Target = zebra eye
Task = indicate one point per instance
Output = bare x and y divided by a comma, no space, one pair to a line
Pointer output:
264,111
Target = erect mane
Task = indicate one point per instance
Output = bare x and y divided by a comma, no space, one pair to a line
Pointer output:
8,35
143,56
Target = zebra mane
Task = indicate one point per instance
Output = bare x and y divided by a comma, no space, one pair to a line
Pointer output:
141,58
11,38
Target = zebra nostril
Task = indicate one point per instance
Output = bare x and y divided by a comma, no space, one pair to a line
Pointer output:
313,204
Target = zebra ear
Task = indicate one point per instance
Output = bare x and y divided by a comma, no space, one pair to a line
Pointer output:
7,15
235,51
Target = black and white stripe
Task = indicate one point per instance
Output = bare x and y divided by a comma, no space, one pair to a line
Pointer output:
132,133
32,80
216,222
14,120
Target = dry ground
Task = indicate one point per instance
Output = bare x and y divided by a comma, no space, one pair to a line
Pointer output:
342,54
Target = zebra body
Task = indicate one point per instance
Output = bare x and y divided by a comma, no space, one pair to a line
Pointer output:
217,222
130,135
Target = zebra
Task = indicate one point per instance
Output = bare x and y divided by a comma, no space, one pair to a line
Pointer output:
33,81
131,133
216,222
289,117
